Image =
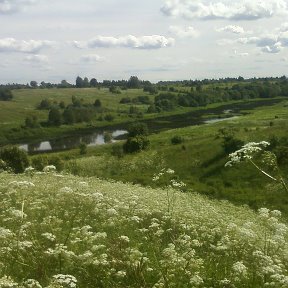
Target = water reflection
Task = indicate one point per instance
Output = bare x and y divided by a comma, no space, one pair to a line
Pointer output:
65,143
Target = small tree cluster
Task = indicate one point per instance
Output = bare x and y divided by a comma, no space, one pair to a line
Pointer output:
5,94
137,138
14,158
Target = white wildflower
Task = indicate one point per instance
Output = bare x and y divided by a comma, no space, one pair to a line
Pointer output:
65,280
124,238
66,189
22,184
170,171
121,274
239,269
31,283
49,236
49,168
7,282
196,280
112,212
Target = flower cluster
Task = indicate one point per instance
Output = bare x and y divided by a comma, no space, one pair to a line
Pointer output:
246,152
107,234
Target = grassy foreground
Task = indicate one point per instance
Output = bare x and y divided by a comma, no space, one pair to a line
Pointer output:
67,231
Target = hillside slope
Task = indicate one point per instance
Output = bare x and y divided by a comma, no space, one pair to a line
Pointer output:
67,231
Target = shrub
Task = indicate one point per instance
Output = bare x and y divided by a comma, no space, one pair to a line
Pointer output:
83,148
177,140
109,117
137,128
15,158
41,161
136,144
5,94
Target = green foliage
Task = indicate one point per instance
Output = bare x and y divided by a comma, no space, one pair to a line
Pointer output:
231,144
133,83
45,104
83,148
114,89
125,100
109,117
39,162
69,116
177,140
15,158
97,103
137,129
166,101
107,137
136,144
54,117
152,89
5,94
32,122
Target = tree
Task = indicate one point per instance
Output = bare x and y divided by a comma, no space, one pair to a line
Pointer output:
133,82
69,116
64,84
54,117
136,144
32,122
93,82
97,103
79,82
5,94
45,104
137,138
137,129
15,158
86,82
33,84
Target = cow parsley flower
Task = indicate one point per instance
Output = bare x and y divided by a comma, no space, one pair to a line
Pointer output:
65,280
49,168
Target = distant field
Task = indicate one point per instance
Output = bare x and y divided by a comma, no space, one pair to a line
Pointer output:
25,101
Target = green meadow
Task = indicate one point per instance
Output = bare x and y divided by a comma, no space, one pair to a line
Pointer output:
172,215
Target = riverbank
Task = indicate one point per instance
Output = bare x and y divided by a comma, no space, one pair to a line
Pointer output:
67,134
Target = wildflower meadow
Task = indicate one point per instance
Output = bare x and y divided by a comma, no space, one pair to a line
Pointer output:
60,230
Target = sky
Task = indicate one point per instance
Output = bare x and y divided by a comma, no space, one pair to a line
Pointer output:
155,40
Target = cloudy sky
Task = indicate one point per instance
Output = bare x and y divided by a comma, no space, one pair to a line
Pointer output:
52,40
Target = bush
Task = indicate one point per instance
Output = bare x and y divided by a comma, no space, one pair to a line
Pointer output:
41,161
137,128
136,144
83,148
15,158
109,117
5,94
231,144
177,140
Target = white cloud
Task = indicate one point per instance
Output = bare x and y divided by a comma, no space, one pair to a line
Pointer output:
223,9
232,29
284,27
129,41
275,48
11,6
92,58
184,32
30,46
241,54
36,59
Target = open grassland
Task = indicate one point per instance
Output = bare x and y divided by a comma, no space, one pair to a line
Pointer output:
66,231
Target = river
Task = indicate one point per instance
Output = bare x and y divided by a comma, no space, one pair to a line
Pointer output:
197,117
